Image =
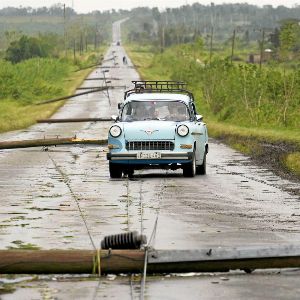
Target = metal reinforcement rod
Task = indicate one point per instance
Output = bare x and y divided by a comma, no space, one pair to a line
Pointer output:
74,120
50,142
72,96
159,261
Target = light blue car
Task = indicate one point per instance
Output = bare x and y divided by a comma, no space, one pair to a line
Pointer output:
157,127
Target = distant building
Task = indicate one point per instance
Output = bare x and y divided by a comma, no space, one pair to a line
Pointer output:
255,58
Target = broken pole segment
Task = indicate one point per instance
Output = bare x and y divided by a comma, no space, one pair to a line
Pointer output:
50,142
102,78
70,261
74,120
223,259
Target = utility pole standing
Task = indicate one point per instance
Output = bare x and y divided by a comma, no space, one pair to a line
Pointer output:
233,45
262,48
65,36
211,44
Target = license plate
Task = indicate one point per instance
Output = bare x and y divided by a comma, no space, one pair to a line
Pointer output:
151,155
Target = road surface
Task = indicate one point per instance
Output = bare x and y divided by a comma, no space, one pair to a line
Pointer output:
236,204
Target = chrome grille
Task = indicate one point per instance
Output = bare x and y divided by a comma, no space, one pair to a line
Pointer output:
150,145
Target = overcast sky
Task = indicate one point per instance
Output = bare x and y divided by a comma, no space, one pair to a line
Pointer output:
90,5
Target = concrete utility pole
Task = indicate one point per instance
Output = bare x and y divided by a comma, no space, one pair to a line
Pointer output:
211,44
162,39
262,48
233,45
65,36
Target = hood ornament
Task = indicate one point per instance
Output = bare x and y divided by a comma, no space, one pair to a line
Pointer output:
149,131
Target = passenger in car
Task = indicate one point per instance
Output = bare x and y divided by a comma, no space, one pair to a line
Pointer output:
182,114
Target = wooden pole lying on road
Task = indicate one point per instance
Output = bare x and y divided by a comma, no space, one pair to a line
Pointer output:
72,96
74,120
159,261
50,142
70,261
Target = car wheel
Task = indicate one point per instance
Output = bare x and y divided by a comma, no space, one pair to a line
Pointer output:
129,172
189,170
114,170
201,169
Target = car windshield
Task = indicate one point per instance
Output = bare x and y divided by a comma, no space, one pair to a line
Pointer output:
155,110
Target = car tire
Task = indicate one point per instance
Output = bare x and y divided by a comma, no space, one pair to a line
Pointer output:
201,169
129,172
189,170
115,171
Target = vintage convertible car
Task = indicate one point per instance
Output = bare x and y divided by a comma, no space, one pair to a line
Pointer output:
157,127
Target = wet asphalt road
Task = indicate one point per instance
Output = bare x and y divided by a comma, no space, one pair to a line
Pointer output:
235,204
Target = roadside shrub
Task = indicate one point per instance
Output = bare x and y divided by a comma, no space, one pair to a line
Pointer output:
26,48
32,79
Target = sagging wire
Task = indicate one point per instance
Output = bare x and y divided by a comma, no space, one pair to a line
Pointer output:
127,205
131,287
97,258
151,240
66,180
141,207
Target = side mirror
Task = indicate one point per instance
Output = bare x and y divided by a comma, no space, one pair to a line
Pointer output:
115,118
120,105
199,118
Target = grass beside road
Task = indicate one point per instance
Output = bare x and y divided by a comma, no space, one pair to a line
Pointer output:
257,141
35,80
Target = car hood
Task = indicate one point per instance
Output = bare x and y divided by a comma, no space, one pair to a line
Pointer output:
149,130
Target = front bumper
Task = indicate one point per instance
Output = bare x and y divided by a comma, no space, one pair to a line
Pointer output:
166,158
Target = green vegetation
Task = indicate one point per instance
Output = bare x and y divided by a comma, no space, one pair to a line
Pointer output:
243,103
292,161
19,245
236,93
33,80
29,47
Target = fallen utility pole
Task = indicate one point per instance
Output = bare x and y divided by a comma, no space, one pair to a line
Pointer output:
50,142
109,67
159,261
224,259
74,120
109,59
89,67
72,96
70,261
97,87
102,78
91,88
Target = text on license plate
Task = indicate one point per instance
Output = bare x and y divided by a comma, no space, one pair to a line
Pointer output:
151,155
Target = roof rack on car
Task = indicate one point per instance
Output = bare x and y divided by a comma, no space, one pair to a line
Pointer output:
156,86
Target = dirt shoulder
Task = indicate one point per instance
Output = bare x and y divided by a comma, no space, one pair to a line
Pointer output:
272,155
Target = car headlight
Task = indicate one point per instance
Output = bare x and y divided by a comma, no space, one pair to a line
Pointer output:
115,131
182,130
